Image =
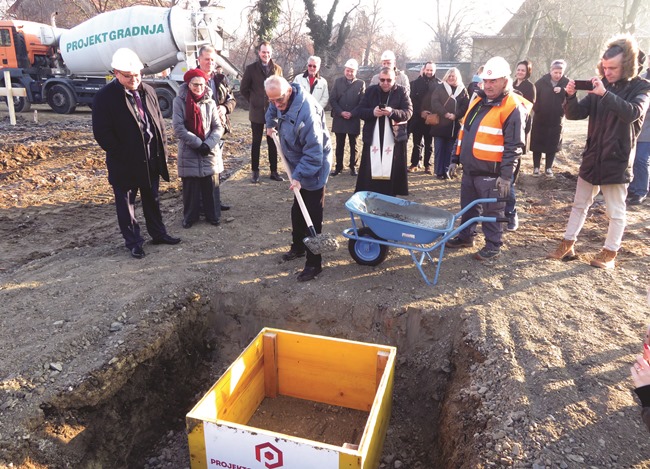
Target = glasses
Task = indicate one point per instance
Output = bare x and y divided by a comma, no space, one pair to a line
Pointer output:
197,85
279,100
311,66
386,80
129,76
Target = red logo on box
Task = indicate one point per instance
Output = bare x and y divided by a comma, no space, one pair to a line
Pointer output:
269,455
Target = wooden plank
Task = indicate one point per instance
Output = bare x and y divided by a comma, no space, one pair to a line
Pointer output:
382,359
332,371
270,365
9,91
348,461
196,443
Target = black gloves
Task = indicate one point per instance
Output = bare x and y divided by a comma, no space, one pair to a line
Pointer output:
204,149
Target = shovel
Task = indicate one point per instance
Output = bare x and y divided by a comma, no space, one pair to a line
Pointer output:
316,243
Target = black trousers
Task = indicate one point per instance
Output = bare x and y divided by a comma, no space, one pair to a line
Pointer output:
421,135
125,207
537,159
258,132
314,201
340,149
201,193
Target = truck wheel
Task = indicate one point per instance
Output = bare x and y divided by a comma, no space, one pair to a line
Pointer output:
61,99
367,252
165,101
21,103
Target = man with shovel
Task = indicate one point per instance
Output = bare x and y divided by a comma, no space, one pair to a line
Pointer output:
297,121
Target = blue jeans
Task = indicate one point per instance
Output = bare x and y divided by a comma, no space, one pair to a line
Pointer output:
443,146
640,184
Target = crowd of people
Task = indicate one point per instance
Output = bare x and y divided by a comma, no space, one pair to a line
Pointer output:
485,127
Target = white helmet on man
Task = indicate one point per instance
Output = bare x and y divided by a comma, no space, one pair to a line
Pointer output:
125,60
496,67
352,63
388,55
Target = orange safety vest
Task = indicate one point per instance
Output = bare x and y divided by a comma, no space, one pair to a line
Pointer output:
488,144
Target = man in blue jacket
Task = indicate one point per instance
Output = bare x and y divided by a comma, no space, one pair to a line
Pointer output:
305,142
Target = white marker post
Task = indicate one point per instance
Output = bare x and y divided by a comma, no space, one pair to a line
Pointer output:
10,92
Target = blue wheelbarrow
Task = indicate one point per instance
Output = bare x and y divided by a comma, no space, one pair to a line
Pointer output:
386,221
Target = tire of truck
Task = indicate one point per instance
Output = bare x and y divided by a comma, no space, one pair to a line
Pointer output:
21,103
165,101
61,99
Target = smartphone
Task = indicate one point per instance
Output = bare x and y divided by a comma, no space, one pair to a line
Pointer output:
585,85
382,106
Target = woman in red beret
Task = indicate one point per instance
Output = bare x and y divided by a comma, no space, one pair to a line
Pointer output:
197,125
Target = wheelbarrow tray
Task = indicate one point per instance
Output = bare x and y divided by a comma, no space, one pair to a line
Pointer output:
400,220
418,228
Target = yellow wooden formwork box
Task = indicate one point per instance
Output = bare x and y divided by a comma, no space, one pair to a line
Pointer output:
333,371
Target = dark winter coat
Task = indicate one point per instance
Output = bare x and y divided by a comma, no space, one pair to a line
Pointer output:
421,89
117,130
615,121
398,100
546,132
442,103
345,96
190,162
644,395
252,89
527,90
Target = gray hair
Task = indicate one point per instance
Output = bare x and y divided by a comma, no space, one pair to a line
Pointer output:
314,58
207,48
276,82
558,63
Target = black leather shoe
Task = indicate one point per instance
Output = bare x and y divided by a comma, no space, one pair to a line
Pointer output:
216,222
335,172
291,255
225,207
166,239
137,252
187,224
635,200
353,172
309,273
276,177
255,177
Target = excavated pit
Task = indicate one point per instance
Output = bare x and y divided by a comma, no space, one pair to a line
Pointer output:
133,414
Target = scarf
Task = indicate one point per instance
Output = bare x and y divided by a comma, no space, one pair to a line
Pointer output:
456,92
193,117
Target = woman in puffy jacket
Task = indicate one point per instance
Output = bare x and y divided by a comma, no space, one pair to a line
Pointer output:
450,101
198,128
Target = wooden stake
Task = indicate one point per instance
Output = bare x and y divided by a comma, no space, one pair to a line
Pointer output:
10,92
270,365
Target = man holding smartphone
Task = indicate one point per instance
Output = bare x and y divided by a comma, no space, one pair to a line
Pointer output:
615,108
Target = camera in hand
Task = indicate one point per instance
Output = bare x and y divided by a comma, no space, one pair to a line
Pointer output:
585,85
382,106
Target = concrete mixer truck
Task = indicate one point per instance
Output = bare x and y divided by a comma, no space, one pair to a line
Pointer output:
66,67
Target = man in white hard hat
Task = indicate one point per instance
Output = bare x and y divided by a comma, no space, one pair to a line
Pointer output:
388,60
346,95
491,139
128,125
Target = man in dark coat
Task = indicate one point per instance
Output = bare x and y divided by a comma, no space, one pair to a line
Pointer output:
546,134
128,125
347,93
385,109
615,108
252,88
421,89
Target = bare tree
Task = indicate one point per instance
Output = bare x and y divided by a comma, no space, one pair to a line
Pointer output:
451,32
328,39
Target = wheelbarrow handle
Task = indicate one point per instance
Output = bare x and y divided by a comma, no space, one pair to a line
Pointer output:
296,191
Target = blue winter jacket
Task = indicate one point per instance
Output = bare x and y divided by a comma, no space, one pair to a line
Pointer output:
304,138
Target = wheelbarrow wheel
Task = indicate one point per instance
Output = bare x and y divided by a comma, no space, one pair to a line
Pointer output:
367,252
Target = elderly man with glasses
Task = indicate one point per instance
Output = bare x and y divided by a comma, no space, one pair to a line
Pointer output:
128,125
313,83
385,110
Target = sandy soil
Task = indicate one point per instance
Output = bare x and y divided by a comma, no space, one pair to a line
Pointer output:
517,362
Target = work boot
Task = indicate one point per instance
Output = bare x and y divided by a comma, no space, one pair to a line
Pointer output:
564,251
604,259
